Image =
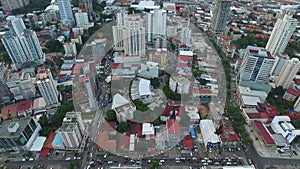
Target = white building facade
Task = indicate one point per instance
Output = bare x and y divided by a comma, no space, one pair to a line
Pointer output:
287,73
47,87
282,32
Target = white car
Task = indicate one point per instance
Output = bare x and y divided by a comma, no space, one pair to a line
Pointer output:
177,161
23,159
30,159
110,162
67,159
162,161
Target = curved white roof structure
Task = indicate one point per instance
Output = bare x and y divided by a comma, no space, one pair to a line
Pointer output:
51,7
118,100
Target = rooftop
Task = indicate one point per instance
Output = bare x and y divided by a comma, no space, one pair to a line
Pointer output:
6,134
173,127
264,132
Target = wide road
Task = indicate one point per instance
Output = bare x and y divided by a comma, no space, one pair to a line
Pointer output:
262,162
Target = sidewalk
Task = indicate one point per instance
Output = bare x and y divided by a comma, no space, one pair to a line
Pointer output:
264,151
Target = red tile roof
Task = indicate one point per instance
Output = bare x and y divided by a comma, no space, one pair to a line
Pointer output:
188,142
264,132
48,142
44,152
225,37
173,127
293,92
16,107
185,58
137,129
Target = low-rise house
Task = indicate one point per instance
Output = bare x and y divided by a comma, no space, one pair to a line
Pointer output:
124,108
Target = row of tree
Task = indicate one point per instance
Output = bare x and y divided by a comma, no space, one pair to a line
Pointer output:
238,122
48,125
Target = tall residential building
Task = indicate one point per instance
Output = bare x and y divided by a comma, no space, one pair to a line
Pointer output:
65,11
46,86
256,66
119,30
282,32
186,36
221,11
135,36
287,73
9,5
22,45
72,131
70,49
89,9
82,20
16,25
280,60
156,24
21,84
5,95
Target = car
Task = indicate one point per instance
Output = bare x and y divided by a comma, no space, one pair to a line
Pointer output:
295,153
250,161
177,161
110,162
74,157
194,158
91,163
78,158
67,159
149,161
23,159
162,161
91,155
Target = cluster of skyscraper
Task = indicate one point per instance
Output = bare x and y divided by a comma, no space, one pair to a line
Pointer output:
21,44
130,35
261,63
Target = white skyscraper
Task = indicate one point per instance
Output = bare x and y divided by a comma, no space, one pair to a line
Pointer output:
280,60
156,24
72,131
70,49
65,12
134,36
282,32
82,20
21,44
16,24
186,36
221,11
256,66
46,86
119,30
288,72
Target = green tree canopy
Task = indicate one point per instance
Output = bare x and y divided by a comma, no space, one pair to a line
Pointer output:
124,127
140,106
111,115
54,45
155,165
155,82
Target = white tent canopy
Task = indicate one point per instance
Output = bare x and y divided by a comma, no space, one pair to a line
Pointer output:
144,87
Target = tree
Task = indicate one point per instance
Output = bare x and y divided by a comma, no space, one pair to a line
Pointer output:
156,122
140,106
73,165
155,165
43,120
124,127
185,120
54,45
155,82
111,115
